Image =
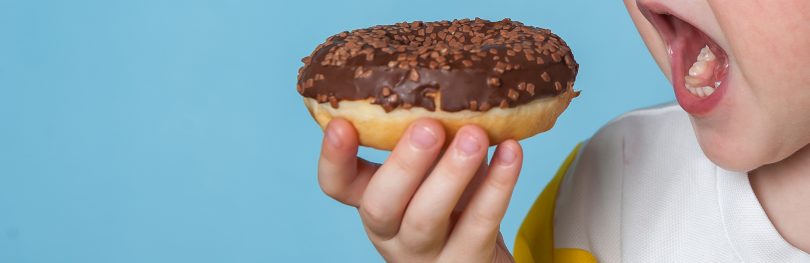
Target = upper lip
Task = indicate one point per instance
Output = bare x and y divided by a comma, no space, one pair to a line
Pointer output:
655,12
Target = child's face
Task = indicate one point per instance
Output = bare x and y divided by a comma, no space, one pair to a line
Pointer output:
749,95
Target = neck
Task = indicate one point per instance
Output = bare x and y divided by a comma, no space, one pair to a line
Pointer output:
795,168
783,189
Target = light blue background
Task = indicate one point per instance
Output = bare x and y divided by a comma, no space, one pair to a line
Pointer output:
170,131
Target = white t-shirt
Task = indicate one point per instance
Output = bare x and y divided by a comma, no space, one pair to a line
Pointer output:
641,190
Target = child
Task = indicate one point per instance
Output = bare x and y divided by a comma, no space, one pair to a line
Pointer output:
723,177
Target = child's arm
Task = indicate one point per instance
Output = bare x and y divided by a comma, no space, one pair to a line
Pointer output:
419,206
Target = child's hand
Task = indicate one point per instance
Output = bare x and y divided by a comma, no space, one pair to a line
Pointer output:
416,209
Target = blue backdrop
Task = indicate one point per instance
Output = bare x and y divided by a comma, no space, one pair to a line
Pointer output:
170,131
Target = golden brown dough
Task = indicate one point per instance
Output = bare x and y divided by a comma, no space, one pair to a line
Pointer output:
382,130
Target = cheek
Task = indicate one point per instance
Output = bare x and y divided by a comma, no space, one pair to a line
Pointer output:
762,119
769,43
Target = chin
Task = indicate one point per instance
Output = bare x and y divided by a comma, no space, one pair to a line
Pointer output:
738,146
728,153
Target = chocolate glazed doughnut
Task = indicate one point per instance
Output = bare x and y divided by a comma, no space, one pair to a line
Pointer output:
510,79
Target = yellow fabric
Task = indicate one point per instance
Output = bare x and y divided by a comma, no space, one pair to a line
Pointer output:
572,255
535,239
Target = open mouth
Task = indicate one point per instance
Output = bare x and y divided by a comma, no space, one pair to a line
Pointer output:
699,65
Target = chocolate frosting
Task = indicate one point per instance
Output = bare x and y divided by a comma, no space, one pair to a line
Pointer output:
468,64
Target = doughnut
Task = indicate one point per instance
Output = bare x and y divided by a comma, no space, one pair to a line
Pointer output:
510,79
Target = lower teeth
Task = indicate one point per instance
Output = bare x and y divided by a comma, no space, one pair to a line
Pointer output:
704,91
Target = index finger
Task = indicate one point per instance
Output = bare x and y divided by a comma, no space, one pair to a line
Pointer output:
341,174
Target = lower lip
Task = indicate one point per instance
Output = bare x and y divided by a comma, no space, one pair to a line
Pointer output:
677,48
692,104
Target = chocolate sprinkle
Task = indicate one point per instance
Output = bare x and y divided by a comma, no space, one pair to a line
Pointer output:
545,77
494,82
472,63
512,94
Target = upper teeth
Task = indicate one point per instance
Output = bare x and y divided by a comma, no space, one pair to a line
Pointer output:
705,54
700,72
697,68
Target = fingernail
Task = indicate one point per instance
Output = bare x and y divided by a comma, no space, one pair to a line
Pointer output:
333,138
506,154
468,144
422,137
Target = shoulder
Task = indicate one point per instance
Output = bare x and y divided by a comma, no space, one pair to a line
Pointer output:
634,138
634,144
642,125
637,137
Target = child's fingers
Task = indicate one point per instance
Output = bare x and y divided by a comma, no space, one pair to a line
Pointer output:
340,174
478,225
426,221
392,187
476,181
